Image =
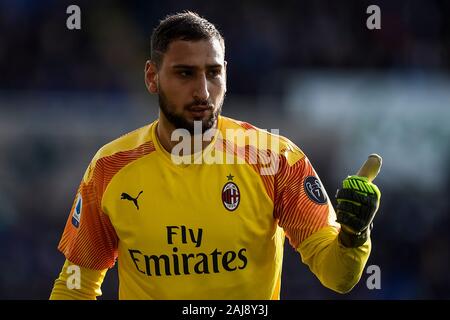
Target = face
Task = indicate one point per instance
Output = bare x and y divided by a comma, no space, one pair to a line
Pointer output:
190,83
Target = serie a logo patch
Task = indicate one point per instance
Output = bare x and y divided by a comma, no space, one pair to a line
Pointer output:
76,215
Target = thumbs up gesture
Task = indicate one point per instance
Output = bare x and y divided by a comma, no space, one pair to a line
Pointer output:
358,202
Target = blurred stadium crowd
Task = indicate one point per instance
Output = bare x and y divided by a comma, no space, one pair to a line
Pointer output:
65,93
262,37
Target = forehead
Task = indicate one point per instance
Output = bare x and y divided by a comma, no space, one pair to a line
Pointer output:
198,53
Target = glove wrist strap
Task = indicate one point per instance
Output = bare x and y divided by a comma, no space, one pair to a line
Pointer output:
353,240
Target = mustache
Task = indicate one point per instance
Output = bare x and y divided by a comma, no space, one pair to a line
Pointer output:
199,103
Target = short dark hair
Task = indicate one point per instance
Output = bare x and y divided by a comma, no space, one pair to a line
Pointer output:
186,25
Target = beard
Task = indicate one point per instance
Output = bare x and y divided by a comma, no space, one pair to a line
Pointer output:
181,122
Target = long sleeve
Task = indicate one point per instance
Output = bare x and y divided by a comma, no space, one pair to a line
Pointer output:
336,266
305,212
90,282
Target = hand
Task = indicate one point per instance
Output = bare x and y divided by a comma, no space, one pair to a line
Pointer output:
357,204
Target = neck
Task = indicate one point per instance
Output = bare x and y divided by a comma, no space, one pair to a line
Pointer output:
164,132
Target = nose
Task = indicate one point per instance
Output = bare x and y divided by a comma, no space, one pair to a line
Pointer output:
201,91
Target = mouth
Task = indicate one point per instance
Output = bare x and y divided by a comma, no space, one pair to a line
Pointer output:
199,111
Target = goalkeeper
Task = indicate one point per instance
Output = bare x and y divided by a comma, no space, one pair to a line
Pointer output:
206,230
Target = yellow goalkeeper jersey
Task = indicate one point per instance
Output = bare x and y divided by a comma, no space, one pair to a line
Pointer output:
211,228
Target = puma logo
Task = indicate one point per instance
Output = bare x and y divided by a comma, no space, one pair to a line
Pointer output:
126,196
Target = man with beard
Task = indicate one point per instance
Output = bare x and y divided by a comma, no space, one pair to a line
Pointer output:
194,230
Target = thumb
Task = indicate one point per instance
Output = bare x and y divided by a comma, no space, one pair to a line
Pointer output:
371,167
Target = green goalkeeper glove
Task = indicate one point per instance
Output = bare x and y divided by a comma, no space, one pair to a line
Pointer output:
357,203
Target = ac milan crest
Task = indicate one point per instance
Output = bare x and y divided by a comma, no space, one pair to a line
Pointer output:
231,196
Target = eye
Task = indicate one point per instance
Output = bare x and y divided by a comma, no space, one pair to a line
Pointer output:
185,73
214,73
